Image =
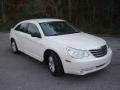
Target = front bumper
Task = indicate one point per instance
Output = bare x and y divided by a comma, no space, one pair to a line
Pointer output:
82,67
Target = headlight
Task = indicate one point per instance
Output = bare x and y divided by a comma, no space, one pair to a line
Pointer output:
77,54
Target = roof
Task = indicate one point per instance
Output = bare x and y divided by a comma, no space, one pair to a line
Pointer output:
44,20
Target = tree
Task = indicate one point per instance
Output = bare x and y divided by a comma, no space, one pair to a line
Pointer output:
70,9
3,15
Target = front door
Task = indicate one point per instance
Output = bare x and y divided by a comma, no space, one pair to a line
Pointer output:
34,42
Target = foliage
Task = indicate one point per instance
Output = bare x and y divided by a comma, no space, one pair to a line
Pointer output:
94,16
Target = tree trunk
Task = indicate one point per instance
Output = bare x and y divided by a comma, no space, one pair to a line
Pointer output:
93,17
112,12
3,11
70,8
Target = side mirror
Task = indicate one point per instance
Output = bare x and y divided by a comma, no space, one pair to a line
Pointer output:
36,35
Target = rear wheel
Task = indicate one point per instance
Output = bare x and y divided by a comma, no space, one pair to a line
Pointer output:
55,64
14,46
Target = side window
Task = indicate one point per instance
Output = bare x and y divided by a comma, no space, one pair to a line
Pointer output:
33,29
18,28
22,27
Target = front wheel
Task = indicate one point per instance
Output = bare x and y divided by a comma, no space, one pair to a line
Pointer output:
55,64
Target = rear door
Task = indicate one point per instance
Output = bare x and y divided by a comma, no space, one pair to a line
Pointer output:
21,33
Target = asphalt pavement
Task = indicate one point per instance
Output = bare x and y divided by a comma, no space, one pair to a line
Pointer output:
21,72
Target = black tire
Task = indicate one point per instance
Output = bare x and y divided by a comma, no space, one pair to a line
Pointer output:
14,47
57,64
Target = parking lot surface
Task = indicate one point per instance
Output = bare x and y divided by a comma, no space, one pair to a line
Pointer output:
21,72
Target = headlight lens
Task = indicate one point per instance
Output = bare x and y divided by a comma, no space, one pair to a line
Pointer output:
77,54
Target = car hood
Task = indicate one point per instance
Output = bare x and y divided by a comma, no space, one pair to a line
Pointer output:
80,41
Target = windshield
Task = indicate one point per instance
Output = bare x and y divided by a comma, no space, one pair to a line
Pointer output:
58,28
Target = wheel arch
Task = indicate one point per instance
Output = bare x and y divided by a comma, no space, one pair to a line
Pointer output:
46,53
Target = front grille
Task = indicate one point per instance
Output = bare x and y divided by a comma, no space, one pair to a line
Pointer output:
99,52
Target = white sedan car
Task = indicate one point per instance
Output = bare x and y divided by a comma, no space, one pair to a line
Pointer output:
62,46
